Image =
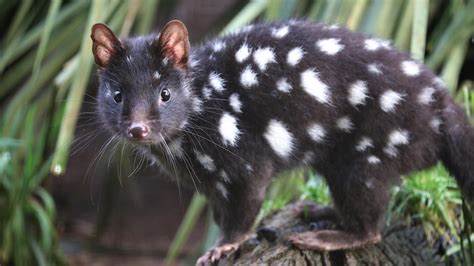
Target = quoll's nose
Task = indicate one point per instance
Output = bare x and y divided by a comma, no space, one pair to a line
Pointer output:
138,131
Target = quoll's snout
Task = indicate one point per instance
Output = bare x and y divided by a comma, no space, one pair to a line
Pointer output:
138,131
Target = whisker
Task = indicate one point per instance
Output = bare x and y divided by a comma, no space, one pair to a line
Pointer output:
173,163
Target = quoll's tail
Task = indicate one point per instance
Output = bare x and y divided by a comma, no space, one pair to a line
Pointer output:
458,154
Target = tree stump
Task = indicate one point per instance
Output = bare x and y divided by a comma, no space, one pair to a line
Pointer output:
401,245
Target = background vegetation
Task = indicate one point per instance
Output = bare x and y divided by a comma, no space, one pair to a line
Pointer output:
45,68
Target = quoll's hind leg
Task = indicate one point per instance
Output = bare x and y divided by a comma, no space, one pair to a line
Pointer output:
361,202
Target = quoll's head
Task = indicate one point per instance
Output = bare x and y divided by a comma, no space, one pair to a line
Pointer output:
144,92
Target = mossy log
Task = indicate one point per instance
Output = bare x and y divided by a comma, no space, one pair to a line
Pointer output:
401,245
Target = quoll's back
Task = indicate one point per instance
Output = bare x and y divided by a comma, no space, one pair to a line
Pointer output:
318,93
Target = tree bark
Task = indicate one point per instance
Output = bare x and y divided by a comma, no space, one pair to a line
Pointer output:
401,245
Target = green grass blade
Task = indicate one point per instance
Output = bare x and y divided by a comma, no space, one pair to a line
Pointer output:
355,17
273,10
453,65
40,259
47,201
133,8
147,15
330,11
316,9
45,225
18,22
419,29
460,29
49,24
402,35
251,11
192,214
372,14
33,36
76,95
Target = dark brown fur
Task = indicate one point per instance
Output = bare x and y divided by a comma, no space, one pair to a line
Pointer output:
359,188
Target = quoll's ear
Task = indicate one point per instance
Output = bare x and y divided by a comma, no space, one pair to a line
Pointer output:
174,42
104,44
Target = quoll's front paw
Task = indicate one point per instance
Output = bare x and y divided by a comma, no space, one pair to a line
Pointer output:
217,253
330,240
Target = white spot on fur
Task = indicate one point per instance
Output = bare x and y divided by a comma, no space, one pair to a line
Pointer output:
283,85
218,46
249,168
193,61
390,99
375,44
224,176
206,92
156,75
308,157
184,124
247,28
222,189
263,57
248,77
371,45
197,105
165,61
205,160
186,88
364,143
175,147
391,151
426,95
235,103
372,159
374,68
294,56
439,82
399,137
243,53
280,32
330,46
369,183
396,138
345,124
358,93
316,132
216,82
410,68
228,129
435,123
279,138
331,27
314,86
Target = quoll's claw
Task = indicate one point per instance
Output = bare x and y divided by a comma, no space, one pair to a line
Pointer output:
217,253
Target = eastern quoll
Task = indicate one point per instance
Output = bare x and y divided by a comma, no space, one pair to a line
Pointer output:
226,116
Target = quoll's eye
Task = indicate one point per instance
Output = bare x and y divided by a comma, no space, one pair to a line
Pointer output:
117,96
165,95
